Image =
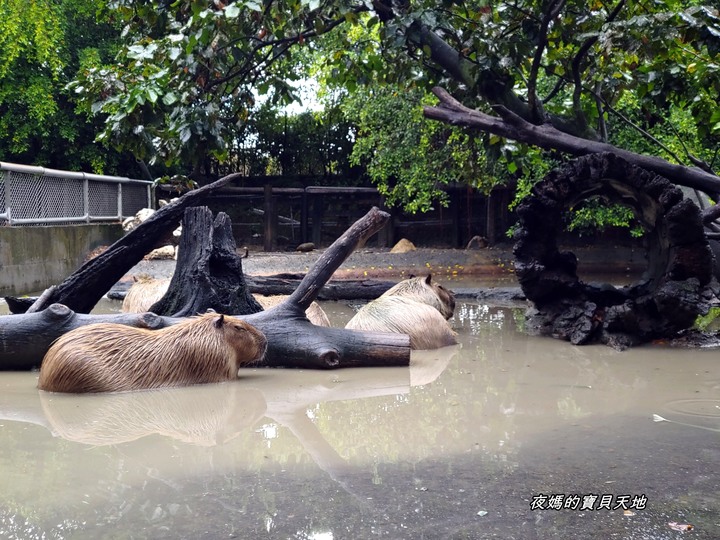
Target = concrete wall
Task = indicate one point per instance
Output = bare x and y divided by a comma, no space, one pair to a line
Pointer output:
34,258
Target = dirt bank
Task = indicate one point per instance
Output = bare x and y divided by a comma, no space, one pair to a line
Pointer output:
443,263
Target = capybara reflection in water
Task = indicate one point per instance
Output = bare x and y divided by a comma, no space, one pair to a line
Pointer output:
146,291
417,307
109,357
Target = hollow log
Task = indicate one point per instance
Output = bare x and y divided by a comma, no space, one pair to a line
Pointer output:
674,289
86,286
293,340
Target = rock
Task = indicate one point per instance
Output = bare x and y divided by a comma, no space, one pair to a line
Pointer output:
130,223
477,242
165,252
403,246
306,247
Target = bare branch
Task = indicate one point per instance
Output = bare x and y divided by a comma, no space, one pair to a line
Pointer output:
514,127
533,101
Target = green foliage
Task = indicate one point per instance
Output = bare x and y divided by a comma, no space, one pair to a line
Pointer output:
189,76
596,214
42,44
314,144
409,159
185,82
708,322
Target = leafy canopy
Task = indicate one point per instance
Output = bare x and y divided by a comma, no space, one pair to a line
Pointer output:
189,74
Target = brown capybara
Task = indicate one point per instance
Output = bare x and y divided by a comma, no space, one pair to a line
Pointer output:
423,289
108,357
416,307
314,313
146,291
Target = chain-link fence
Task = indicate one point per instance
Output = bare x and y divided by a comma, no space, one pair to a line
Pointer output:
39,196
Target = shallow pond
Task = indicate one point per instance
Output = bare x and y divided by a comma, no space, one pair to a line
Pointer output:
460,445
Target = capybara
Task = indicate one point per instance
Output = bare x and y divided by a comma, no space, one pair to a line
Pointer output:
424,290
146,291
417,307
108,357
314,313
423,323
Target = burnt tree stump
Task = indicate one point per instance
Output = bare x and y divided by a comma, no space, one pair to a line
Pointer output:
673,290
209,273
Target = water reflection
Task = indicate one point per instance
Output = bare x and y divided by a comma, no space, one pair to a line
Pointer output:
453,446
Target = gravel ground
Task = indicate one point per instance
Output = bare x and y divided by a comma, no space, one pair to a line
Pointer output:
375,263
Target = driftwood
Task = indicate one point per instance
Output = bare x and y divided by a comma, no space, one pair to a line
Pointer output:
671,294
293,340
510,125
87,285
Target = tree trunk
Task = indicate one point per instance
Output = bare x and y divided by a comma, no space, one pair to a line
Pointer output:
209,273
292,340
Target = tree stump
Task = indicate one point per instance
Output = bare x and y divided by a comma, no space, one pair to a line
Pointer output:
672,292
209,272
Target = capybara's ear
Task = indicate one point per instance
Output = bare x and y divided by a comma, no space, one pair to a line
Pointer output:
219,321
428,279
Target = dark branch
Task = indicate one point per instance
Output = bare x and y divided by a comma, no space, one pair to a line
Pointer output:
512,126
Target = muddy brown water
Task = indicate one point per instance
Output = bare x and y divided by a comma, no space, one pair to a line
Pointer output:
460,445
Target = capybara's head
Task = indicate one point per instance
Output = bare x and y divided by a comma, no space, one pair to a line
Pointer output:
425,290
248,342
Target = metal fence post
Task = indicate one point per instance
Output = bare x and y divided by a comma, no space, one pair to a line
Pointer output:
119,201
6,187
86,198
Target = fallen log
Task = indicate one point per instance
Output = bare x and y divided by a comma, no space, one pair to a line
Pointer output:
293,340
276,284
343,289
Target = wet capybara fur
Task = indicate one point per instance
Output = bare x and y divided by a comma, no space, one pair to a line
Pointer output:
425,290
417,307
315,314
144,293
110,357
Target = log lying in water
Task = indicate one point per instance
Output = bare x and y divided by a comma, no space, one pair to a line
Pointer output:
276,284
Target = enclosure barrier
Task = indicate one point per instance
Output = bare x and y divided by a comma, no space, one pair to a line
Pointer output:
32,195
